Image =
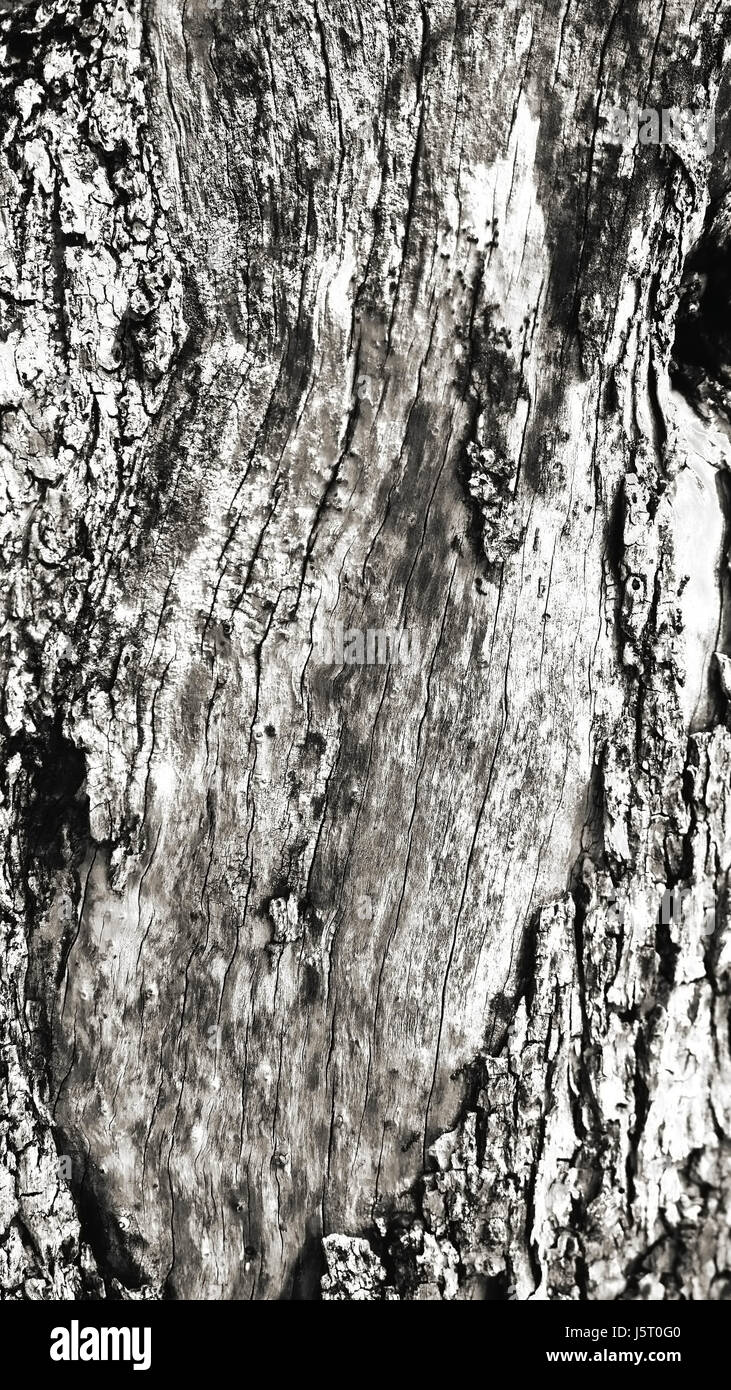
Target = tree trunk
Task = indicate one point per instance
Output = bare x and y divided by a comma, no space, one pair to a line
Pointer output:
322,322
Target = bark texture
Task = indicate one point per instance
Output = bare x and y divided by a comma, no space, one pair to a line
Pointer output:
414,974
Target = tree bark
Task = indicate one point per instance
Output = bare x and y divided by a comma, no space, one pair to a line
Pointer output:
322,319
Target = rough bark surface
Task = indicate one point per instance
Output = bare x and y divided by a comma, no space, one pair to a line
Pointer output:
412,975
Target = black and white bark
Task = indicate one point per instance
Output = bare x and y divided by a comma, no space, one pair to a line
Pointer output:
361,978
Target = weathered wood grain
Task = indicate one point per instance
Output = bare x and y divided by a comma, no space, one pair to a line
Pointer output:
329,314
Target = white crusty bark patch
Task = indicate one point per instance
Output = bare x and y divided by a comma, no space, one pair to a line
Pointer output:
90,325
